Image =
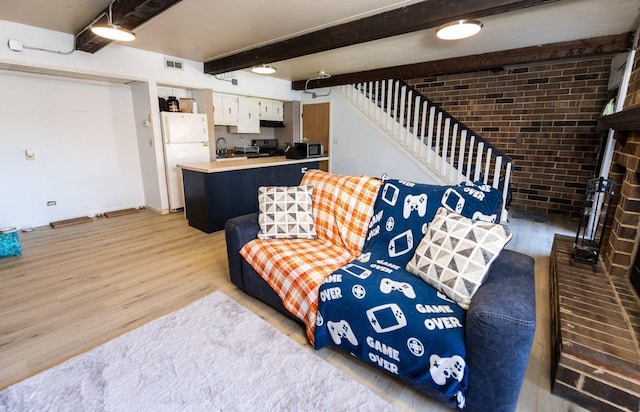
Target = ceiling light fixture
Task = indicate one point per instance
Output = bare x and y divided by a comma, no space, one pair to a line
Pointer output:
459,29
112,31
264,69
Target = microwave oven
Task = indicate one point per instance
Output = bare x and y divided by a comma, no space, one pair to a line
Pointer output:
310,149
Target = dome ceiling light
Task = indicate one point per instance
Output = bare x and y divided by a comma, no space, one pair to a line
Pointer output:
459,29
263,69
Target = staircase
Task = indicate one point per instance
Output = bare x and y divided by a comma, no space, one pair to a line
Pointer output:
444,148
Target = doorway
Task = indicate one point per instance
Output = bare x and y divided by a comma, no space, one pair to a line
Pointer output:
315,127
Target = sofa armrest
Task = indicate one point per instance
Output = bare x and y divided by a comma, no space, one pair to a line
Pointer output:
239,231
500,326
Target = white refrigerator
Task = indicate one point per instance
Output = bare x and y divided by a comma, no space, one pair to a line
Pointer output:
186,140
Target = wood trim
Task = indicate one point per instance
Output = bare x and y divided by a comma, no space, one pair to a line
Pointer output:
419,16
488,61
626,120
126,13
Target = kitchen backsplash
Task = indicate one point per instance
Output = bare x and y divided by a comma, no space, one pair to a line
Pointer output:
239,139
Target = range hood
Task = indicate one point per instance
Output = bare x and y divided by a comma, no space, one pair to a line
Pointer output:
271,123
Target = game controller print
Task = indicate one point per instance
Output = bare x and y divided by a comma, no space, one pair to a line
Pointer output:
477,215
391,314
390,194
391,223
453,201
417,203
400,244
356,270
442,369
387,286
341,329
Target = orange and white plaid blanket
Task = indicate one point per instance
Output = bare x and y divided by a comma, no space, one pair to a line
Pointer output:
295,268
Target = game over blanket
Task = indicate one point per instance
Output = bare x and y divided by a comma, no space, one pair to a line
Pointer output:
377,311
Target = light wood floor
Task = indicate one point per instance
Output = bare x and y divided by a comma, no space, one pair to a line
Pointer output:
76,287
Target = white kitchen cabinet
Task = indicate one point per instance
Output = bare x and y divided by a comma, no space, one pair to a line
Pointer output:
225,110
248,116
271,110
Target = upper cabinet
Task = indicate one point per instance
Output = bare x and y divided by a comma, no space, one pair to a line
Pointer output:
225,110
271,110
248,116
243,114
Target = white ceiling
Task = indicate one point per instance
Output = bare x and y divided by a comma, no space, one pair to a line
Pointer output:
205,29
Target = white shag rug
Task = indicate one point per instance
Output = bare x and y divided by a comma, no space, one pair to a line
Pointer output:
213,355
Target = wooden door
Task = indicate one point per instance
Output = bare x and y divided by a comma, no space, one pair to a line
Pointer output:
315,127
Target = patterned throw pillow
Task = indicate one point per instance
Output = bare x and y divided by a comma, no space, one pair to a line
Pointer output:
285,212
456,253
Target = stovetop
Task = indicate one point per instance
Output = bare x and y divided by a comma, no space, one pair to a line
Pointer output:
265,147
246,149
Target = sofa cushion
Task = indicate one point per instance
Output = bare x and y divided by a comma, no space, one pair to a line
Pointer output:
285,212
342,207
295,268
456,253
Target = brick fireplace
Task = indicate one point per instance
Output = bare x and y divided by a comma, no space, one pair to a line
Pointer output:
621,256
596,315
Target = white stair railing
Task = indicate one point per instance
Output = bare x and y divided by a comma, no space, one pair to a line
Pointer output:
430,135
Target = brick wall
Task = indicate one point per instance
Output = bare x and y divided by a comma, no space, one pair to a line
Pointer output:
543,116
633,94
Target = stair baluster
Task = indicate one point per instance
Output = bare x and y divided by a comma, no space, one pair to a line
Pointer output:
430,135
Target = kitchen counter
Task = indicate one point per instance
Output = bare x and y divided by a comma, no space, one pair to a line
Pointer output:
217,191
230,164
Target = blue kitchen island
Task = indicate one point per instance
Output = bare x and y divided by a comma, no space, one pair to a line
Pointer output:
214,192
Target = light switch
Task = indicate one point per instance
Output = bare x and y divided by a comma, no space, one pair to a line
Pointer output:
29,154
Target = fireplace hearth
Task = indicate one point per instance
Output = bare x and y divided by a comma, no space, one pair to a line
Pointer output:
595,329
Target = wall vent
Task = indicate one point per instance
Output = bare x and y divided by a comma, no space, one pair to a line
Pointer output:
172,64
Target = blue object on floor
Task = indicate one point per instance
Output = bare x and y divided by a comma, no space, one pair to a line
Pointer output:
9,242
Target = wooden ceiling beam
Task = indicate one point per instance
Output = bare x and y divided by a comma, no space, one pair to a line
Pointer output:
605,45
126,13
419,16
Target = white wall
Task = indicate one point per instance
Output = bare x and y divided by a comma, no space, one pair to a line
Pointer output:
358,146
153,175
86,156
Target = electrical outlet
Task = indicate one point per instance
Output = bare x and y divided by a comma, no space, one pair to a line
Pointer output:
51,203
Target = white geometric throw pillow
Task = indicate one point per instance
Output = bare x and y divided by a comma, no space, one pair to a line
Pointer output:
456,253
286,212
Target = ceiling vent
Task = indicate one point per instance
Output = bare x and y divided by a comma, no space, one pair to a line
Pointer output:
172,64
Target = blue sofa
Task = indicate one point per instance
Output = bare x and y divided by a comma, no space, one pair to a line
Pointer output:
502,315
